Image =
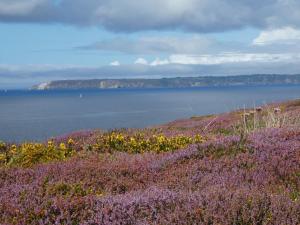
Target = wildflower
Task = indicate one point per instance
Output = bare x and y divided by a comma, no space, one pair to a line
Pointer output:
2,157
13,149
71,141
259,109
50,144
246,115
2,146
198,139
277,110
62,146
132,140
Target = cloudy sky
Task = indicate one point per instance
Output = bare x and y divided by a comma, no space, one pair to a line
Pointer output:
43,40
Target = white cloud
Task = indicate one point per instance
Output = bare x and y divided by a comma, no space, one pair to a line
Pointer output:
226,58
141,61
18,7
115,63
159,62
286,35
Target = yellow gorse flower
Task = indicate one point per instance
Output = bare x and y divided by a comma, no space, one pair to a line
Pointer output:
13,149
140,143
2,145
2,157
62,146
28,154
71,141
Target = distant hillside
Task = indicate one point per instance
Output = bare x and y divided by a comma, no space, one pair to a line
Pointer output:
178,82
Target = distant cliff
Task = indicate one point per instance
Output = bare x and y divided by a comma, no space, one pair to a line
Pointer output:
179,82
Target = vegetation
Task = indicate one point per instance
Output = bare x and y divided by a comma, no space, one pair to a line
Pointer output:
237,168
29,154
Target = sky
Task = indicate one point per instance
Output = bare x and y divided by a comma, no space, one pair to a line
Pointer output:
44,40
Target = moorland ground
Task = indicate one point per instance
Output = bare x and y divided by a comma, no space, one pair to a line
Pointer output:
241,167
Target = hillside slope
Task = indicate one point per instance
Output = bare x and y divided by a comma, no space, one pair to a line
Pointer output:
244,170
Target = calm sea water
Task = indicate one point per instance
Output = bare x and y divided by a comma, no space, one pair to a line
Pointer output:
37,115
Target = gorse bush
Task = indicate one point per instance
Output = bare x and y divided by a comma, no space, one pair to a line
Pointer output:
28,154
139,143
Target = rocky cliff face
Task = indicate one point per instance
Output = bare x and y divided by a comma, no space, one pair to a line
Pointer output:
42,86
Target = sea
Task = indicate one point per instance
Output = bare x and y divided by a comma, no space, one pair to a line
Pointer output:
29,115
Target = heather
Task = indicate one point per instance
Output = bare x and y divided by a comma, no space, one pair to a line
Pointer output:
237,168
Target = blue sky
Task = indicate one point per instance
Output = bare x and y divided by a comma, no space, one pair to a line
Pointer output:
56,44
44,40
